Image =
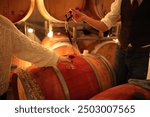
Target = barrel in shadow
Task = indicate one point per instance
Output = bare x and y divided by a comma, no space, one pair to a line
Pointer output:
55,10
124,92
17,10
90,76
107,49
88,42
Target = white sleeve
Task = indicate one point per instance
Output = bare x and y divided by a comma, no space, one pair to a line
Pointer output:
29,50
111,18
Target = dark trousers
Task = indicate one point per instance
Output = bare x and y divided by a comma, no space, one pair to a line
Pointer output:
131,63
3,97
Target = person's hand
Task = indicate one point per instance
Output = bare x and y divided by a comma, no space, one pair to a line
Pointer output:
78,15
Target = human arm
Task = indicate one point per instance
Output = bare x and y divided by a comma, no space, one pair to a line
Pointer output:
106,23
29,50
80,16
26,49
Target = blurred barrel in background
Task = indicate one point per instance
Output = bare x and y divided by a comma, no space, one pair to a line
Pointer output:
17,10
107,49
60,44
88,42
55,10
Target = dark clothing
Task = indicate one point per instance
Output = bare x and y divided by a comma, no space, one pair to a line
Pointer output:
135,27
3,97
131,64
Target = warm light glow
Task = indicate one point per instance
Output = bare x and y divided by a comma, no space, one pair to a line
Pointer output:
85,52
50,34
30,30
116,40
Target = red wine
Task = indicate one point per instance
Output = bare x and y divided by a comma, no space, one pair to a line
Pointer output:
71,56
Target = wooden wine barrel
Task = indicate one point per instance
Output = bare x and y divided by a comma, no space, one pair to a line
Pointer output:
123,92
17,10
90,76
108,50
88,43
55,10
57,37
60,44
64,48
97,8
